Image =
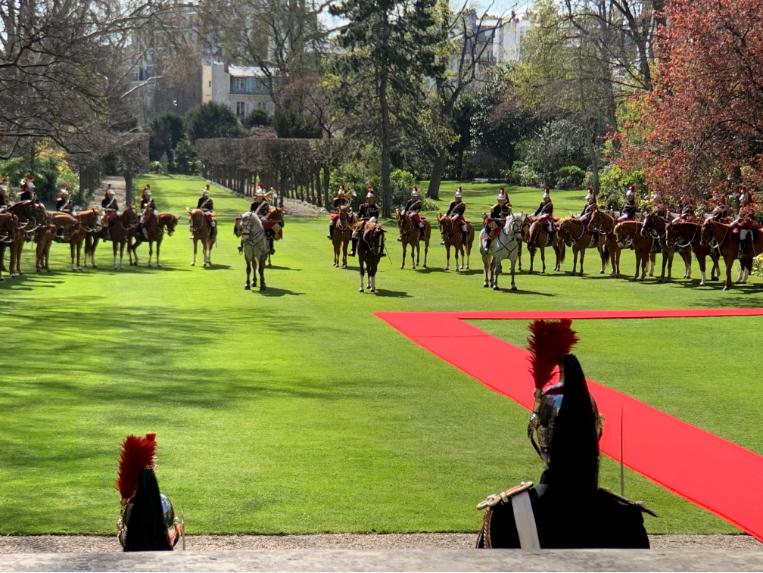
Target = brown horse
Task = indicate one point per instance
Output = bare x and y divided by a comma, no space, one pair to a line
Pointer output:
574,233
275,214
9,233
370,249
603,224
164,221
628,234
410,235
68,230
657,227
30,215
44,237
342,234
90,221
685,234
122,227
540,238
201,231
452,236
722,235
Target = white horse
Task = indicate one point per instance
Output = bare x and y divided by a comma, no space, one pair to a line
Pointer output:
254,245
504,246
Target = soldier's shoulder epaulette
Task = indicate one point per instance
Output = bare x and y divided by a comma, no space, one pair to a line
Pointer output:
504,496
640,504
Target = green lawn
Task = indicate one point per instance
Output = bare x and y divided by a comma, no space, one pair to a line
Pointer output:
299,411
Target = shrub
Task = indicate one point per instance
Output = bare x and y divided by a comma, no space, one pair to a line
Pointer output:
613,181
156,167
256,118
570,177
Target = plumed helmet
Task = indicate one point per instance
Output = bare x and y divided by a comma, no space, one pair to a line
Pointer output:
589,195
110,192
458,194
630,193
148,521
370,195
30,184
414,192
3,187
260,192
340,192
502,197
205,193
565,425
64,192
546,192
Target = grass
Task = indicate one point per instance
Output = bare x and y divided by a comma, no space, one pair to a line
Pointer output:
298,411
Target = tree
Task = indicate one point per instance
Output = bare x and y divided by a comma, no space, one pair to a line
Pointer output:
166,132
389,48
702,126
211,120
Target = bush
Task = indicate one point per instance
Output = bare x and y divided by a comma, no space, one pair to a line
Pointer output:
570,177
613,181
185,158
156,167
256,118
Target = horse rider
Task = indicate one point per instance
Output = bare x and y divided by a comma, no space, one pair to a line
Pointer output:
545,211
146,203
28,189
745,224
456,211
341,199
721,212
206,204
687,214
3,195
589,207
413,208
64,203
496,219
567,509
659,207
368,212
629,208
261,207
110,209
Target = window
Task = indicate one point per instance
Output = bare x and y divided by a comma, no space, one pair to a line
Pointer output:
240,109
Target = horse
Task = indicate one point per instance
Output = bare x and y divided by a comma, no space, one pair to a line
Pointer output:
505,246
30,215
409,234
629,234
73,233
90,221
370,249
722,235
275,223
155,234
254,245
44,237
538,237
574,233
9,232
342,234
200,231
657,227
684,234
122,227
452,236
603,224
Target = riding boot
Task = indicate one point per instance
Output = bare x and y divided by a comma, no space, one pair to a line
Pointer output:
272,248
463,237
354,246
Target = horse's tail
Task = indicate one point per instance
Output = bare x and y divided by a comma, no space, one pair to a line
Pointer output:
561,247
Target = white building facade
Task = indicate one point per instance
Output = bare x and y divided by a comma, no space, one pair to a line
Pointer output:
242,88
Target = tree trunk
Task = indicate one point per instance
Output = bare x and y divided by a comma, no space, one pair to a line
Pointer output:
438,169
386,139
129,189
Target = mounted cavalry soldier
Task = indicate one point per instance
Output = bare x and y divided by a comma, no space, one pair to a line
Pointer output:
261,207
368,211
545,211
341,199
687,214
110,210
413,209
721,212
745,225
28,189
659,207
148,211
64,202
456,211
629,208
206,204
147,521
589,207
567,509
496,219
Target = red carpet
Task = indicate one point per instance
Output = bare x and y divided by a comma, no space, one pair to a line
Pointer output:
709,471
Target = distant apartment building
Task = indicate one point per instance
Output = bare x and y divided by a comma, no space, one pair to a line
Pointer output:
242,88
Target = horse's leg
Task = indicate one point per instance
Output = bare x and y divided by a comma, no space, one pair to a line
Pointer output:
261,269
496,266
71,252
247,284
405,246
426,253
485,263
729,260
582,258
360,266
702,262
447,256
687,263
344,254
158,247
195,247
519,255
415,254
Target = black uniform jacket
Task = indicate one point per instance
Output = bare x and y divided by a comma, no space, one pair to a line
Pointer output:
368,210
260,207
589,208
630,207
110,204
499,211
340,201
456,208
147,203
26,196
63,204
545,208
413,205
206,204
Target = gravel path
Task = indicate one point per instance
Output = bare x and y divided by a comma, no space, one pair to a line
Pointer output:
93,544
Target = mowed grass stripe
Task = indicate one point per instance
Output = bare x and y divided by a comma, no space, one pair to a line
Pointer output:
292,411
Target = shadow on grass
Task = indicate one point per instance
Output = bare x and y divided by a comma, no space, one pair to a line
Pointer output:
280,268
271,291
392,293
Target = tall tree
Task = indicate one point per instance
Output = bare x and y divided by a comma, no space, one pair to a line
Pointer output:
702,126
389,47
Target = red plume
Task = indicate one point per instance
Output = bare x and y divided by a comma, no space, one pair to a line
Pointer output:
137,455
549,341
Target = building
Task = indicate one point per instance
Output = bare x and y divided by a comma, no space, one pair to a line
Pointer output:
242,88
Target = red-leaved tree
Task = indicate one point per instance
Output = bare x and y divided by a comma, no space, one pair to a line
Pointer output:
702,127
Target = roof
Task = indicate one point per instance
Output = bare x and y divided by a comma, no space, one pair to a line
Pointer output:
245,71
